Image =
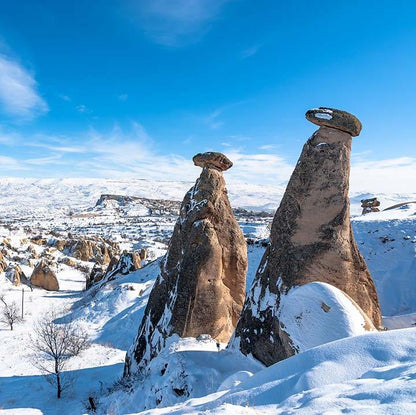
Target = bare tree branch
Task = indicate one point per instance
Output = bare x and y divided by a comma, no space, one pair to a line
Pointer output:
54,344
10,314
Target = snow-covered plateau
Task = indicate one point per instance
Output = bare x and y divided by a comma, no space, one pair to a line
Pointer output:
346,371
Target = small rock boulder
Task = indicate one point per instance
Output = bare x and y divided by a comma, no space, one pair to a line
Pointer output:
370,205
43,276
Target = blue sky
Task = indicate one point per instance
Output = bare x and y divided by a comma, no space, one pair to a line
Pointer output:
136,88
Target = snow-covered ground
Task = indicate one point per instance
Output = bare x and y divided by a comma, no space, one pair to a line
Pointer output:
364,374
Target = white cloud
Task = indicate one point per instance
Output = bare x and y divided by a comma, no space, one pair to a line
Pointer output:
123,97
177,22
259,168
384,176
18,91
131,152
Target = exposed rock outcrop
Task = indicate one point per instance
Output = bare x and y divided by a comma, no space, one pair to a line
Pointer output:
370,205
96,250
128,262
3,263
15,274
96,275
143,254
201,286
311,240
43,276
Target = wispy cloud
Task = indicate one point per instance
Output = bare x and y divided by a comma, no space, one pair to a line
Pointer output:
19,97
65,97
123,97
83,109
177,22
267,147
43,161
9,163
130,151
212,119
246,53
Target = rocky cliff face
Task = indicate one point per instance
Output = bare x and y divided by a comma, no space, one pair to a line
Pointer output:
311,240
201,286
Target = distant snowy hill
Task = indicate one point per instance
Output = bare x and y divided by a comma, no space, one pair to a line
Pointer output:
355,374
59,196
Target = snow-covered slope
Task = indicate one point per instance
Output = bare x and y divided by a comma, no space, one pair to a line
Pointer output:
357,374
318,313
387,241
367,374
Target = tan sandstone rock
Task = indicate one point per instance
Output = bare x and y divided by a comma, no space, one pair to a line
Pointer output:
43,276
15,274
201,286
143,254
311,240
3,263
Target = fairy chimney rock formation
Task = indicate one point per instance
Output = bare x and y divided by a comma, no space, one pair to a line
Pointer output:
311,241
201,285
370,205
43,276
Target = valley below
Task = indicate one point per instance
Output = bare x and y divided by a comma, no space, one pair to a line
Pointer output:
78,225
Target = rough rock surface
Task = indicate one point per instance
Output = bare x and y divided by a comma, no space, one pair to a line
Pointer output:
128,262
212,159
96,275
334,118
201,286
3,263
15,274
43,276
311,240
370,205
99,250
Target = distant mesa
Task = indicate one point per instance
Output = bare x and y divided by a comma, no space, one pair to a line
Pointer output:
201,285
334,118
311,240
212,159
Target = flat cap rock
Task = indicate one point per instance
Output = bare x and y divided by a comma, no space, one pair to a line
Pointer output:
334,118
212,159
